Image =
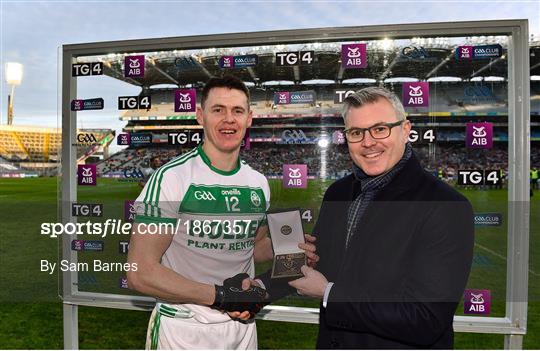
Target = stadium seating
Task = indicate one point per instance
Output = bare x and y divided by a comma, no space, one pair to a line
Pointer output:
269,158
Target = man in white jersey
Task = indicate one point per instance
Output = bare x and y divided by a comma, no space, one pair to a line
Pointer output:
216,203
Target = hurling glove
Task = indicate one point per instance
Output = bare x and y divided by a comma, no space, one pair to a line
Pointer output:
230,296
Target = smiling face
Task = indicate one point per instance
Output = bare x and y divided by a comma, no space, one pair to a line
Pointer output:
377,156
225,116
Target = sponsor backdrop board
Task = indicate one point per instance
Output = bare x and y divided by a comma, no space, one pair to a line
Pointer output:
296,139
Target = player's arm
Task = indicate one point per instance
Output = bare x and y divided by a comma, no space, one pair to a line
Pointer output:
154,279
263,250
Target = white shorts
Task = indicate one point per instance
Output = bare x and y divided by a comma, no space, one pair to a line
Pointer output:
183,332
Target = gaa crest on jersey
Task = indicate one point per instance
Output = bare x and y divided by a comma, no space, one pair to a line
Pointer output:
255,199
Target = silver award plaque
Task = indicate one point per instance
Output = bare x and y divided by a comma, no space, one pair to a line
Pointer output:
286,232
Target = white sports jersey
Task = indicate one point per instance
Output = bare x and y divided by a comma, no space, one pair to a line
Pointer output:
216,214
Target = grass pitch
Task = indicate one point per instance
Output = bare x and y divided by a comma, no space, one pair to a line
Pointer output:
31,311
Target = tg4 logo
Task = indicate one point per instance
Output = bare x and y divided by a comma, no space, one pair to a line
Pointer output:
134,102
422,136
294,58
87,69
479,177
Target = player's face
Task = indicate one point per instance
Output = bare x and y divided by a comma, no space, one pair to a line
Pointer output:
225,118
377,156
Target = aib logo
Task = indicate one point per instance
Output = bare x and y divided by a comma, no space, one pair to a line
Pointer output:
353,56
477,301
227,62
86,174
464,52
295,176
123,283
479,135
77,245
185,100
134,66
416,94
129,210
123,139
283,97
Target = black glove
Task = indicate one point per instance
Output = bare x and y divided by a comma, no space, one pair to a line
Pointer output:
230,297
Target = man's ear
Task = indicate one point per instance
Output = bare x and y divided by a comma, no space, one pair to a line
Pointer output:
406,129
199,115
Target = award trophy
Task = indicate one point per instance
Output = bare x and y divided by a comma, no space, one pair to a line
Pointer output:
286,232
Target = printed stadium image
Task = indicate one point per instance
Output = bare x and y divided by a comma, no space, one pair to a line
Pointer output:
278,194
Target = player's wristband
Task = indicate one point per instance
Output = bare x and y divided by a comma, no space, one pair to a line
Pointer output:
220,296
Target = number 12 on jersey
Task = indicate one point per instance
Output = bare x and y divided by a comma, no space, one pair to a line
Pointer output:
232,203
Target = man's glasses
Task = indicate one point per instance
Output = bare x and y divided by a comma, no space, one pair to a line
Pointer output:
378,131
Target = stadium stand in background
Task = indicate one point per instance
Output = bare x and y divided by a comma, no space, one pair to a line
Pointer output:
31,151
476,92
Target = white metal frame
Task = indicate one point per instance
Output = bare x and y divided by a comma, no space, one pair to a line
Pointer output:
513,325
